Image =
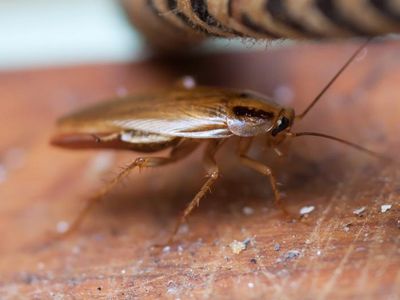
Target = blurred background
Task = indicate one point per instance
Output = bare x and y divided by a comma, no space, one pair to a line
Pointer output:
46,33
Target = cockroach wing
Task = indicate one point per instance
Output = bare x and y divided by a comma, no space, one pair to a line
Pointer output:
175,114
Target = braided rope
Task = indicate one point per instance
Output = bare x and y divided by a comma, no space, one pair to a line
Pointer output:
175,23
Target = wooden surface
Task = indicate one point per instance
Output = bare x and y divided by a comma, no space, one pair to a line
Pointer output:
331,254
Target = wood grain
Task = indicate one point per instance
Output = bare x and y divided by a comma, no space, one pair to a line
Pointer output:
331,254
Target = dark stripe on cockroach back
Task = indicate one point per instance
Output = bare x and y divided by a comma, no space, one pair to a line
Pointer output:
156,12
243,111
280,13
249,23
200,8
329,9
173,6
229,8
153,8
384,8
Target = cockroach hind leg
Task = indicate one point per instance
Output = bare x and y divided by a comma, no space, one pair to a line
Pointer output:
177,153
96,198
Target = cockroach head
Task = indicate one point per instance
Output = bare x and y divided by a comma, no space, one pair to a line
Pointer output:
251,114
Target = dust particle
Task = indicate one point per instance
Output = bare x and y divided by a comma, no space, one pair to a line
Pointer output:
3,173
188,82
62,227
248,210
121,91
291,254
237,246
277,247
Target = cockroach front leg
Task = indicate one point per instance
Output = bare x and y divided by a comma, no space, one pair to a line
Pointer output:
212,174
179,152
261,168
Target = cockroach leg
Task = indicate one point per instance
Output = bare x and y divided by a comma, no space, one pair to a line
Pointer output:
278,152
261,168
212,174
107,138
177,153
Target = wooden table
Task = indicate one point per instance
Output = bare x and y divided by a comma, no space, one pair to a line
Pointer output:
331,254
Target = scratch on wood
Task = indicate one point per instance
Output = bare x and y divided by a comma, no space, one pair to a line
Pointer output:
339,270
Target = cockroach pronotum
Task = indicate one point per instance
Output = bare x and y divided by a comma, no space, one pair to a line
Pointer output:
181,119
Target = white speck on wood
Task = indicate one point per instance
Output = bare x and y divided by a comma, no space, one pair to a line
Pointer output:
306,210
359,211
248,211
237,246
62,226
385,207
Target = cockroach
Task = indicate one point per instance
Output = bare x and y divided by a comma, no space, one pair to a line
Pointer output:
181,119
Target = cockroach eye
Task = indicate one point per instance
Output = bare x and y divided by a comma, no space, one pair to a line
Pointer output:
282,124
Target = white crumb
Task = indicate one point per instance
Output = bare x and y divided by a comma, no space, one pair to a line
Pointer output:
385,207
250,285
359,211
306,210
237,246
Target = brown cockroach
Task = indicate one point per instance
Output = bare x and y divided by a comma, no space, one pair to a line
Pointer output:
181,119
